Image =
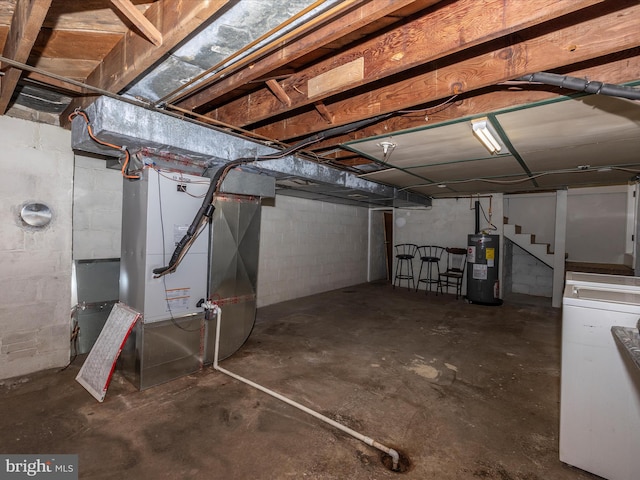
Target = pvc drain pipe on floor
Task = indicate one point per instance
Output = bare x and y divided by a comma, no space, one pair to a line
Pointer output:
368,440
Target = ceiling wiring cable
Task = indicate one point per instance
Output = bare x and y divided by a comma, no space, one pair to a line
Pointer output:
122,148
445,104
205,212
518,180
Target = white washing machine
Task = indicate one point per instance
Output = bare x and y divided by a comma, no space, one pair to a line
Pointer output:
600,385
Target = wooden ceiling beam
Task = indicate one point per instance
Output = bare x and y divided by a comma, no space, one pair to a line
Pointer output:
620,69
312,40
541,50
89,16
278,91
460,25
138,19
133,55
26,22
74,44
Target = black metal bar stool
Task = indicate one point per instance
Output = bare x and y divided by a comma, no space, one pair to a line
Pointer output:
431,255
405,253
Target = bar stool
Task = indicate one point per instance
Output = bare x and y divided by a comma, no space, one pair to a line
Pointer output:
431,255
405,253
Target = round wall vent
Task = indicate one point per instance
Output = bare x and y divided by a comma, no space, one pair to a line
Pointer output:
36,214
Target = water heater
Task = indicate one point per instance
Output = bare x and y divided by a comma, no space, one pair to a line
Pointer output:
483,284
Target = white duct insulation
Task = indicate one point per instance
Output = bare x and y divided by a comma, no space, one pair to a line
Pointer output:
368,440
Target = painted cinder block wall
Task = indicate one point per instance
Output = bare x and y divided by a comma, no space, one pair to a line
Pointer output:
308,247
97,209
35,283
529,275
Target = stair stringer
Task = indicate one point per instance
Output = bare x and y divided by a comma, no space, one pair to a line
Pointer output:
524,241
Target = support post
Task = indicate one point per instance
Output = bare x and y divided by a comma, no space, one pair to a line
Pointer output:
559,248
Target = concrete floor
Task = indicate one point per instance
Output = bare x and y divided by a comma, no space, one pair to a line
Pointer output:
463,391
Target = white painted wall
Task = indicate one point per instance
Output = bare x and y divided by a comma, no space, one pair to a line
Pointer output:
596,224
597,221
35,285
377,247
309,247
97,209
534,212
446,223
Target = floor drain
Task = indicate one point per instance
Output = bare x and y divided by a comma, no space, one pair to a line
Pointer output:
404,465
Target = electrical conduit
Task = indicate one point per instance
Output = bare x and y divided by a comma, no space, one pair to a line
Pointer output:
368,440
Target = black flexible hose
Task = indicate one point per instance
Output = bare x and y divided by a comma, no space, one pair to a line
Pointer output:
582,85
205,210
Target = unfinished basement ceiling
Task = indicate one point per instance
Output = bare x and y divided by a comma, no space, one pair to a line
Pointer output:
278,71
548,146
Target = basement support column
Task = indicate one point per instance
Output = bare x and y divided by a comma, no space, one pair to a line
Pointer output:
559,247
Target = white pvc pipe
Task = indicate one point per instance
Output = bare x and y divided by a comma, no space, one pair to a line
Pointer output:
368,440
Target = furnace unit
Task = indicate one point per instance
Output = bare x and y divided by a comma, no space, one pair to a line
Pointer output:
175,337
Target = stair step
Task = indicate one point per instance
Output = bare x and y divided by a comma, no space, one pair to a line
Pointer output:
526,241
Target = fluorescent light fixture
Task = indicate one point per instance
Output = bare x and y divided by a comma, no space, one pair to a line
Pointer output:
481,130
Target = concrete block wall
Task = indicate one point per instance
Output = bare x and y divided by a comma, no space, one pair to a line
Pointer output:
529,275
97,209
309,247
35,283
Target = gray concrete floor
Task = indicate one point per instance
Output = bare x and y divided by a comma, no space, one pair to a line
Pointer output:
463,391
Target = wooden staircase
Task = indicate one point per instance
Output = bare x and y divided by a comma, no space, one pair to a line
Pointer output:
527,241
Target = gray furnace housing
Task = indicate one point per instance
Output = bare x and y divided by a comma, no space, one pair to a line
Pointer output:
174,337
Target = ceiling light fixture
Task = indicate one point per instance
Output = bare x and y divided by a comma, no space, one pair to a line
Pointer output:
482,129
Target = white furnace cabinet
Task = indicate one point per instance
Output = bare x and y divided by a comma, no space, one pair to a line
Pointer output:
600,385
